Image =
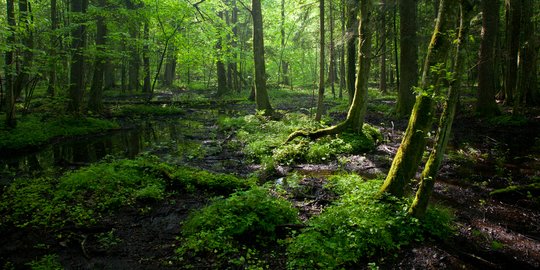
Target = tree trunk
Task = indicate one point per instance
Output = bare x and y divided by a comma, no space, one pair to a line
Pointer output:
357,110
513,10
382,82
170,68
78,43
528,59
9,103
408,58
320,99
429,174
51,88
261,96
342,73
220,66
284,63
95,102
352,33
147,84
332,66
409,154
485,103
134,59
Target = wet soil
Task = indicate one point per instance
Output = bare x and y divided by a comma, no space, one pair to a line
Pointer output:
491,232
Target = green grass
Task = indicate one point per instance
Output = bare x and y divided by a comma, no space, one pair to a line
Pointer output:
33,131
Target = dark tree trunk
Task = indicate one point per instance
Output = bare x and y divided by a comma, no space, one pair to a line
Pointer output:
332,66
9,103
109,76
134,58
51,88
485,103
147,84
408,58
528,92
320,100
342,72
95,102
222,88
78,43
382,81
513,21
261,95
284,63
170,68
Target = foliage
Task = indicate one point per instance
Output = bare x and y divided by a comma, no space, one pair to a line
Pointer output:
358,227
82,196
145,110
263,139
47,262
228,228
508,120
32,130
191,179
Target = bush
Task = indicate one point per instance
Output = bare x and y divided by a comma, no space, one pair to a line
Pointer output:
358,227
225,230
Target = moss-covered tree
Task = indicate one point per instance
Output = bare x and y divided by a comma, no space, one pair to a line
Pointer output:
261,95
409,154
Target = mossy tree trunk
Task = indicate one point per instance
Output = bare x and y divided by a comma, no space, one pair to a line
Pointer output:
357,110
409,154
429,174
351,37
261,95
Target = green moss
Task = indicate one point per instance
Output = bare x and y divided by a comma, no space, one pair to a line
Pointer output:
145,110
192,179
34,131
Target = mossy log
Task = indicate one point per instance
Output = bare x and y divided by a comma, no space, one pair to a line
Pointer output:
533,188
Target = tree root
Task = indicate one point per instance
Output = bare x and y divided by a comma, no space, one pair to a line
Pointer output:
333,130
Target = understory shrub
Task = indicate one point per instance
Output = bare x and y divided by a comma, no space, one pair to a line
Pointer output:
263,139
226,231
358,227
192,179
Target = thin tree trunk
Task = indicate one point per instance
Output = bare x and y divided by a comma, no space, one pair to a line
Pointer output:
352,34
382,81
320,100
78,43
342,73
10,66
147,87
51,88
332,66
220,66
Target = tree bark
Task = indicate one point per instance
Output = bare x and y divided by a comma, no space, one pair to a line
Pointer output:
261,95
408,58
513,22
485,103
429,174
382,80
9,67
78,43
320,99
221,72
147,84
409,154
352,36
95,102
528,92
51,88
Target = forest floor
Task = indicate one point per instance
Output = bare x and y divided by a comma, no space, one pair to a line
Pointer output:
492,232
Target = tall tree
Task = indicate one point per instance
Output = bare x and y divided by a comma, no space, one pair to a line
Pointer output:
485,103
429,174
410,151
9,103
320,100
51,88
382,30
220,65
95,102
513,23
355,116
147,84
78,43
261,95
408,66
528,91
352,35
284,64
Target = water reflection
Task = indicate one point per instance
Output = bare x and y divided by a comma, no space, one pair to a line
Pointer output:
173,138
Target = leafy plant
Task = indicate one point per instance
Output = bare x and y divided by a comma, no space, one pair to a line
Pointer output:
47,262
227,228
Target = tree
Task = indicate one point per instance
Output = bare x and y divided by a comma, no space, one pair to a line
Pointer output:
147,87
513,23
485,103
78,43
410,151
320,100
95,102
220,66
10,66
409,55
429,174
355,116
261,96
528,65
382,81
352,33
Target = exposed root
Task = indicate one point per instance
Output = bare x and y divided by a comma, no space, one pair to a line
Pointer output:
333,130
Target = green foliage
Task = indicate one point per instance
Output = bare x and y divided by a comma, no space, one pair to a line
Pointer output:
47,262
263,139
358,227
33,131
82,196
191,179
227,229
146,110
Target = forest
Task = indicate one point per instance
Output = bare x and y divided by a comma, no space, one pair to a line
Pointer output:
269,134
